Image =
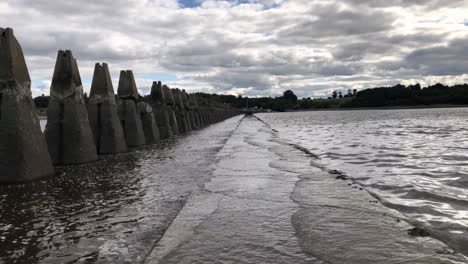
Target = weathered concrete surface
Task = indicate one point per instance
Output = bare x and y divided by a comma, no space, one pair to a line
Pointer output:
172,120
189,109
102,110
23,149
68,132
161,111
170,102
196,110
128,110
127,86
150,126
180,112
202,104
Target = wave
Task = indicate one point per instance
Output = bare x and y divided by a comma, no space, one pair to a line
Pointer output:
430,196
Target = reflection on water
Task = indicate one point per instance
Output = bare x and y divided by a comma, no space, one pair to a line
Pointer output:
416,161
113,210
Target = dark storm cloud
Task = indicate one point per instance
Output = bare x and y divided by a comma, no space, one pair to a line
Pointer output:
239,79
442,60
327,21
427,4
382,44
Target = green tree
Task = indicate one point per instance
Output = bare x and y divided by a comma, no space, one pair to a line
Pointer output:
334,94
290,96
42,101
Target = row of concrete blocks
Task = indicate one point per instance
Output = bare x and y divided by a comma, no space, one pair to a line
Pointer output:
77,132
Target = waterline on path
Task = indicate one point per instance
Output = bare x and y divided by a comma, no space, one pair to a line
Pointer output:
267,202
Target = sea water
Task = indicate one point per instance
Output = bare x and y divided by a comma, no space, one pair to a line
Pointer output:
415,161
247,191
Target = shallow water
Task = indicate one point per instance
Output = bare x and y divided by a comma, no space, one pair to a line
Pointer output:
253,192
111,211
266,201
415,161
243,212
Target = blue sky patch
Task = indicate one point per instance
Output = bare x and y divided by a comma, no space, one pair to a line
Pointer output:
197,3
190,3
39,84
273,6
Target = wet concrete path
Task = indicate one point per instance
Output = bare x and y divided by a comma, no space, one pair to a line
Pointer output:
111,211
267,201
243,212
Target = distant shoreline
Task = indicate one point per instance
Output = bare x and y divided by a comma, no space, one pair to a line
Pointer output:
42,113
381,108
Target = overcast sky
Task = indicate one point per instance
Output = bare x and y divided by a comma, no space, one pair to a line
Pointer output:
254,48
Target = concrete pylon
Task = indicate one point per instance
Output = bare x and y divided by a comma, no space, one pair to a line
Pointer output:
181,113
68,132
190,111
160,110
203,111
178,111
102,110
150,126
128,110
169,100
194,103
23,149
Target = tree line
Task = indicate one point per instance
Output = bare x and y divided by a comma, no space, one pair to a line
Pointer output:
398,95
412,95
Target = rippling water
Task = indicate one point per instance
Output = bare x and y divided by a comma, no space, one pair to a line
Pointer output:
415,161
244,192
111,211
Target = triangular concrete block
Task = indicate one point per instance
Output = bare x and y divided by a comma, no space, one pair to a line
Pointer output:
128,110
68,132
103,117
23,149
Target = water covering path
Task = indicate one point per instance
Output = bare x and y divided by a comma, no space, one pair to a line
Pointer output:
111,211
235,192
266,201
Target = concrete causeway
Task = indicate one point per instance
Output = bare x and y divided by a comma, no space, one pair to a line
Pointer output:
267,201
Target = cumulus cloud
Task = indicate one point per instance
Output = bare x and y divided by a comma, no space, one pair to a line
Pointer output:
248,47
